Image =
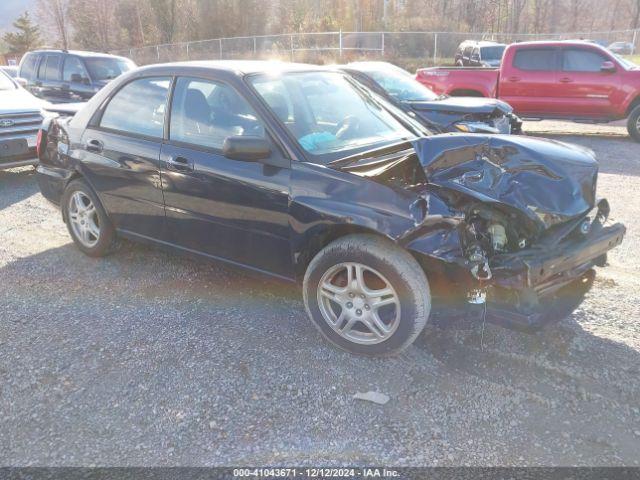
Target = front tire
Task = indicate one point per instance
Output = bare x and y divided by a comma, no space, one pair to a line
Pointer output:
87,222
633,124
366,295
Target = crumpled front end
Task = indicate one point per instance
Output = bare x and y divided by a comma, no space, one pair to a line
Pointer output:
532,225
468,115
507,221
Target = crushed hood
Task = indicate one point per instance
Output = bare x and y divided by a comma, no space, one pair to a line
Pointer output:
548,181
463,105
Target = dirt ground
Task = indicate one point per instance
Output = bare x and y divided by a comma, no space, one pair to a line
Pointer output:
147,358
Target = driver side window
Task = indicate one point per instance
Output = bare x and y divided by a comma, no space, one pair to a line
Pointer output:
204,113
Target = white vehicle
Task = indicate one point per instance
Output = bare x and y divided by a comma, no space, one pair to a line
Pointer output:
20,119
21,116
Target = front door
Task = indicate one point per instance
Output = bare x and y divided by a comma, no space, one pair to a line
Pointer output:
121,156
585,89
229,209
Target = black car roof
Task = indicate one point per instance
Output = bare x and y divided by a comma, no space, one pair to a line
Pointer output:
237,67
79,53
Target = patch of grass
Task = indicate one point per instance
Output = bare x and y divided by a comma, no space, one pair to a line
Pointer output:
632,58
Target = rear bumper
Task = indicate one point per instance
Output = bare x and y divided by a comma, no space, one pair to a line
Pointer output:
525,288
52,181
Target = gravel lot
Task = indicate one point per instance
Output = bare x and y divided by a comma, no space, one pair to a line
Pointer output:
146,358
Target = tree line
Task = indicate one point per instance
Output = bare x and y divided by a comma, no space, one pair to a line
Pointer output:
103,25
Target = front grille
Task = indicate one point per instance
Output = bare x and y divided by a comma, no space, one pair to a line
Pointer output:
22,125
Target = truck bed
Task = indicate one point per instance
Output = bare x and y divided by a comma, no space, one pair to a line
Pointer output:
467,81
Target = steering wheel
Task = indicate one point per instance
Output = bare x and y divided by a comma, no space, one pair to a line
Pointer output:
347,125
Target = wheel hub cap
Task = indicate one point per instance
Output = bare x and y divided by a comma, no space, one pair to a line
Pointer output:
83,219
359,303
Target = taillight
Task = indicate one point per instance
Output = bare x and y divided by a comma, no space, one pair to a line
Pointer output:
38,140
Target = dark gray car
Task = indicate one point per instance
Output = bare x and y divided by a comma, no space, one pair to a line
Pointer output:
69,76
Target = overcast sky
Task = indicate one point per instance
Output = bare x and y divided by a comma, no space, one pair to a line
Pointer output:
10,9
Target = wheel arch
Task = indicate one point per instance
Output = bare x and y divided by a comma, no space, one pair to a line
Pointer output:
316,239
466,92
634,103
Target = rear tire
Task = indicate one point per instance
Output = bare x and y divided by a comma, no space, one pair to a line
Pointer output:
366,295
633,123
87,222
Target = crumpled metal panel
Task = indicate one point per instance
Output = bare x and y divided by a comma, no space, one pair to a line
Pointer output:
548,181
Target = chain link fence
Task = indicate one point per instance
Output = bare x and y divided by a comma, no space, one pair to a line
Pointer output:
409,49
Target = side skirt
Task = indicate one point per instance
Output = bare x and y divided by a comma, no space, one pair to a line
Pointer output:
172,247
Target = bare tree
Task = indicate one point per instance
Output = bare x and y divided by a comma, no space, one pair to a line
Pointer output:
55,15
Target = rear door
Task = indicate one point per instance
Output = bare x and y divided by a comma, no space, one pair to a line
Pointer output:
121,155
76,84
530,83
225,208
584,89
49,81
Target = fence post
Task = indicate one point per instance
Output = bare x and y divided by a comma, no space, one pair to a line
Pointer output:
435,48
187,50
220,42
291,46
635,37
254,46
340,41
158,52
383,38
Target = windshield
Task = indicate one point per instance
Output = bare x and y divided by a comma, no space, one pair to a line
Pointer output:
402,86
328,115
105,68
6,83
492,53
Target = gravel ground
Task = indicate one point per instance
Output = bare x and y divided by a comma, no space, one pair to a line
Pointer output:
147,358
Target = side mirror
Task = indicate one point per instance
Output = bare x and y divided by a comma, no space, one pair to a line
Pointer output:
21,81
246,148
475,57
76,78
608,66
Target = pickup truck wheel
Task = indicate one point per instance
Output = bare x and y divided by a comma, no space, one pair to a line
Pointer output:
633,124
366,295
87,222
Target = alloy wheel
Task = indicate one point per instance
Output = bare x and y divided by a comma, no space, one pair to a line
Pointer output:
359,303
84,220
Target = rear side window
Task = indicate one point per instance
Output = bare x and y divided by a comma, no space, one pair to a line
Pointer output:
543,59
581,60
73,66
138,108
52,71
28,66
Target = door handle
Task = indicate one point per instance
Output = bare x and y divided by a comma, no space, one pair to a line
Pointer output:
566,80
180,164
95,146
514,79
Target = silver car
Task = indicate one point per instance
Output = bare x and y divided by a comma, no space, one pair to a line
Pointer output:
20,118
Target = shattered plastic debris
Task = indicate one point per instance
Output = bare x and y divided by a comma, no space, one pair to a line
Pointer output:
375,397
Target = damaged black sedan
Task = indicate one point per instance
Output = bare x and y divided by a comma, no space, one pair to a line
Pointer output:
439,113
303,174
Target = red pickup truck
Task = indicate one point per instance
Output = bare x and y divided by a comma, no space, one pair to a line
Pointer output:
570,80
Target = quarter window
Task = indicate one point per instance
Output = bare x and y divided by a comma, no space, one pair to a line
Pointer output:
579,60
28,68
535,59
138,108
204,113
